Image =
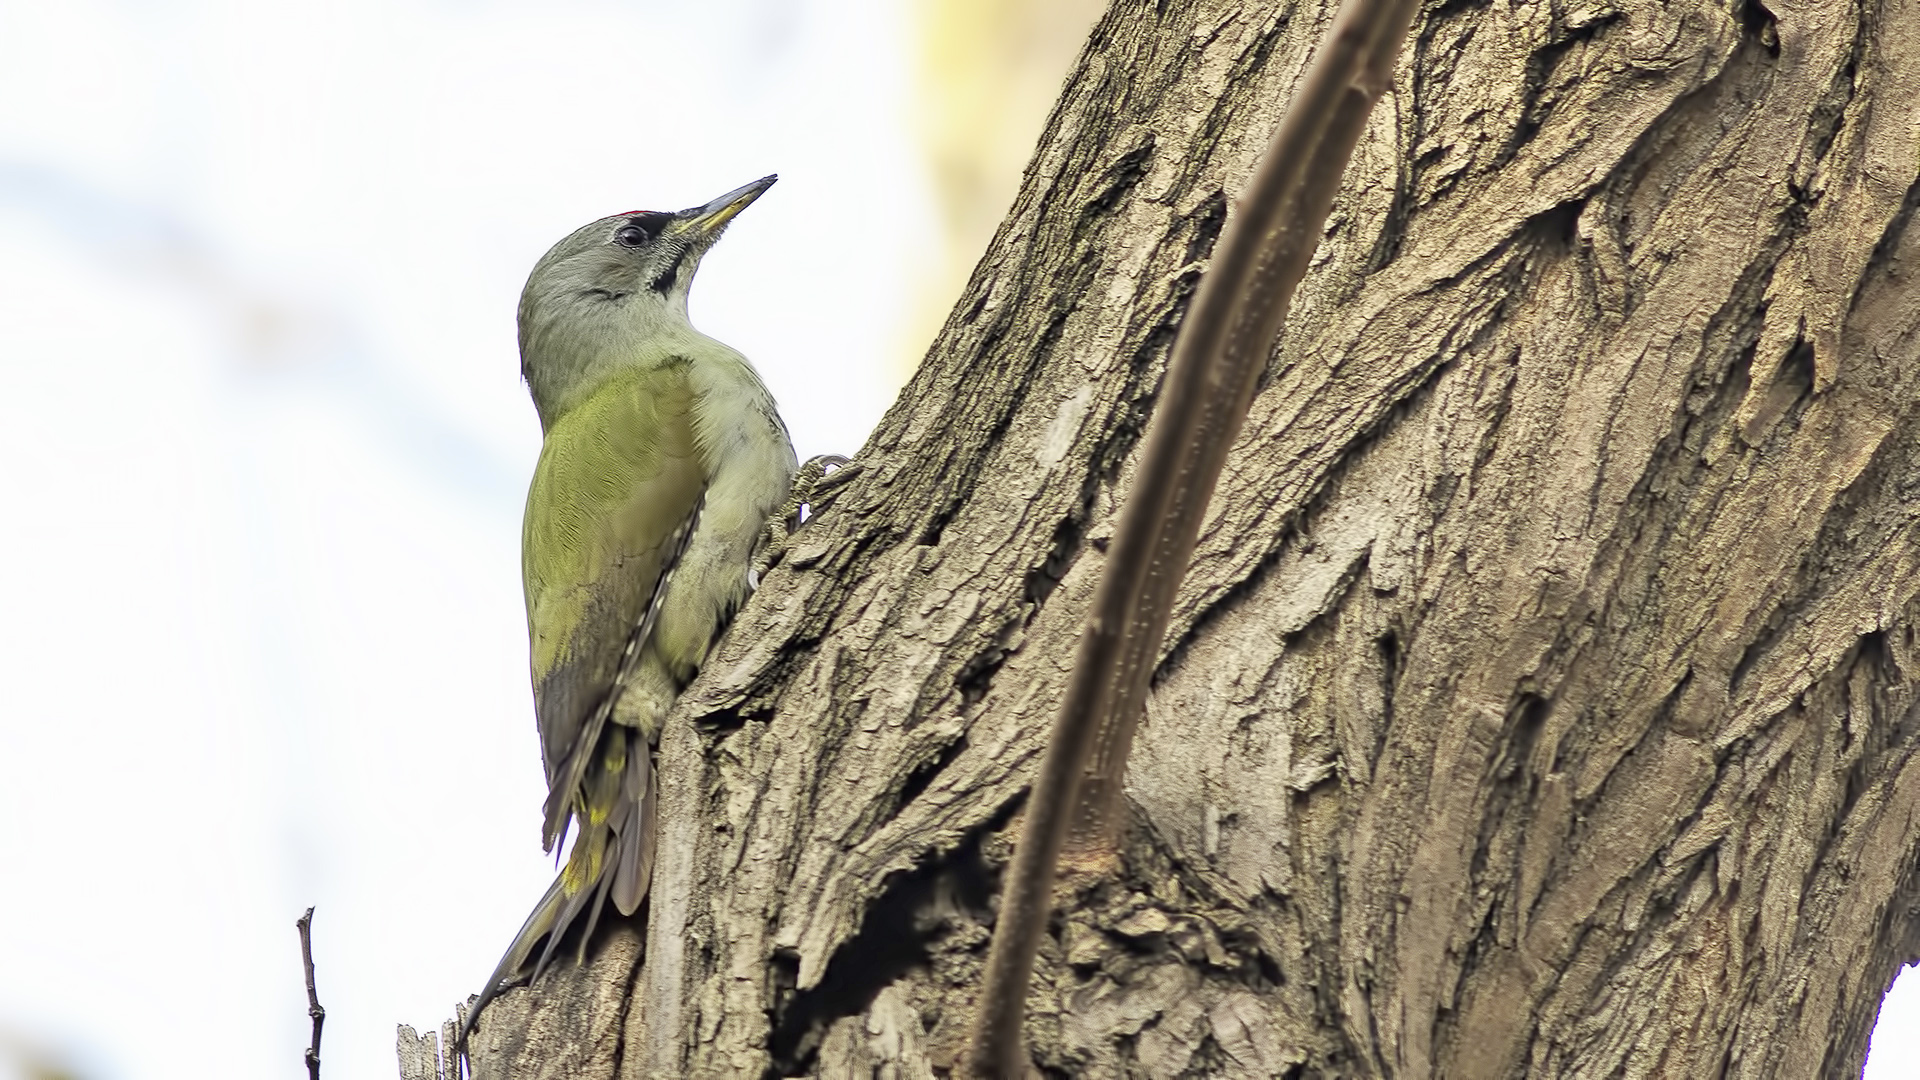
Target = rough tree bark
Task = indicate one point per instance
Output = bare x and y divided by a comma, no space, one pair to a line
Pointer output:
1544,696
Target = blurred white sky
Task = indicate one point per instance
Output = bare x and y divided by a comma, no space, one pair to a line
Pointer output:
265,445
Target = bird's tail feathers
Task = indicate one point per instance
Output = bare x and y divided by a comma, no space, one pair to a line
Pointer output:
612,857
508,969
632,872
584,887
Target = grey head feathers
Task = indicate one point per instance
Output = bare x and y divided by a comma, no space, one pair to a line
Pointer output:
597,297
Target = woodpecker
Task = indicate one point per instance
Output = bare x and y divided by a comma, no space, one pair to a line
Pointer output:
663,461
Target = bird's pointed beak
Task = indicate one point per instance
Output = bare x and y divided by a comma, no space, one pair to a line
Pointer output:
706,221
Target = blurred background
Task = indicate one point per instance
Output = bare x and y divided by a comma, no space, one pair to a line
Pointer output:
265,447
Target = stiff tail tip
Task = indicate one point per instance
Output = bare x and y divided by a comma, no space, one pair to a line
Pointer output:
605,864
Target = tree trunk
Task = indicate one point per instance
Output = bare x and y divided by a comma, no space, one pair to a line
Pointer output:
1542,699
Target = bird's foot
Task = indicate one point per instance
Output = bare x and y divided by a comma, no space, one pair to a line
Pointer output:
814,485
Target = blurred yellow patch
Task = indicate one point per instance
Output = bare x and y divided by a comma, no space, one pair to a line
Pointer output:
989,72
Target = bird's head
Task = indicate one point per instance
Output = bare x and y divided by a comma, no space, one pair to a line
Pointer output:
611,285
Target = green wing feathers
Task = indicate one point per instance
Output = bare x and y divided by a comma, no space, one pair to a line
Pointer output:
618,479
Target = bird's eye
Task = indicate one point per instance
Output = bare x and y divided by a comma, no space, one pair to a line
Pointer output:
631,236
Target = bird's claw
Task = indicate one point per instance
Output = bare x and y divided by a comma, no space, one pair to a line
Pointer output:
814,484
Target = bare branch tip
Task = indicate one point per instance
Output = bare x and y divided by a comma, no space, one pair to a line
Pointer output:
314,1011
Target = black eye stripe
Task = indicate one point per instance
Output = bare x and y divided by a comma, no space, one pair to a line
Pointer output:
641,229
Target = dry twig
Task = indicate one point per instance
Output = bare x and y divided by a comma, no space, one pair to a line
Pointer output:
319,1015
